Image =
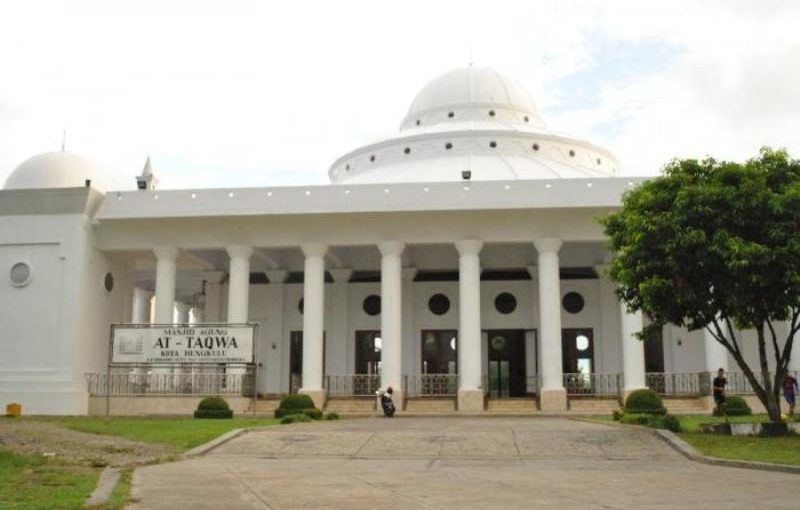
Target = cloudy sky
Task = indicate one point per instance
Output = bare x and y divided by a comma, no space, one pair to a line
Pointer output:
255,93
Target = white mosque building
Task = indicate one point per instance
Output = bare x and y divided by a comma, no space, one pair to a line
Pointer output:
460,262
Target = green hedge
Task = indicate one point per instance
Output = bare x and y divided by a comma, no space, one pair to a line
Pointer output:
656,421
644,402
332,416
217,414
314,414
737,406
295,418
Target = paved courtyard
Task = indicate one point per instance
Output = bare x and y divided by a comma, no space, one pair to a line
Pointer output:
455,463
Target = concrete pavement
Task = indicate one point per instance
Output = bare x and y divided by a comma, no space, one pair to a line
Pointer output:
454,463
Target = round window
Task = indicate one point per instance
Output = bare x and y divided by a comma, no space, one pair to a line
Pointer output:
498,343
108,282
582,342
300,306
20,274
372,305
573,302
439,304
505,303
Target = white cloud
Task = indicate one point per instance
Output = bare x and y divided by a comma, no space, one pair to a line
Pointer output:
257,93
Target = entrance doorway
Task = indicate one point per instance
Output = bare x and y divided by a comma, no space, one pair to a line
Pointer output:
507,363
296,360
577,349
439,351
368,362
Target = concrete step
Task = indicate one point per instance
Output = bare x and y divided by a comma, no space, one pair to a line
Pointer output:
351,406
431,405
593,405
516,405
264,407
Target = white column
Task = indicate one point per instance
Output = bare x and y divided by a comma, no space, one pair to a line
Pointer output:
313,321
392,316
632,349
338,344
239,283
470,392
794,359
165,284
552,396
716,354
277,371
181,313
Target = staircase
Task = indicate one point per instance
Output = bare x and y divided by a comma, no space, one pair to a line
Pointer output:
512,406
688,405
351,406
593,405
431,405
263,407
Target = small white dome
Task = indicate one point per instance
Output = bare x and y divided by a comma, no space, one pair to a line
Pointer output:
52,170
472,94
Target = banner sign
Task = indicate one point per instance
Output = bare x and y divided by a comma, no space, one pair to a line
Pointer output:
201,343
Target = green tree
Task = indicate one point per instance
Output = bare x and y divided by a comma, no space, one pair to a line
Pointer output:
716,245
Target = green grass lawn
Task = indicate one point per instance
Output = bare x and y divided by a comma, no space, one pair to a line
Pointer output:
36,482
180,433
780,450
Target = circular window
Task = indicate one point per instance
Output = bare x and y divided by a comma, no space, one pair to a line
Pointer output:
498,343
372,304
492,144
108,282
573,302
450,114
448,146
582,342
439,304
407,150
536,146
505,303
20,274
300,306
491,113
572,153
372,158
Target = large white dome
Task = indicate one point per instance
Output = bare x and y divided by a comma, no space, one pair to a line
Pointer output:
471,93
473,122
59,169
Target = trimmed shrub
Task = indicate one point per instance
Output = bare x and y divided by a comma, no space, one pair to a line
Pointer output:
737,406
670,422
295,418
296,401
616,414
294,404
214,403
332,416
213,408
644,402
314,414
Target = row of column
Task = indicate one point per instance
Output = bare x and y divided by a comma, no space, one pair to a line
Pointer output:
552,392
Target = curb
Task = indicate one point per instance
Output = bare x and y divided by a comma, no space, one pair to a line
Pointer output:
690,453
105,485
207,447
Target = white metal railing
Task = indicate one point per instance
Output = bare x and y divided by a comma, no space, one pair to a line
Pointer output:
499,387
431,385
739,384
670,383
352,384
185,381
578,384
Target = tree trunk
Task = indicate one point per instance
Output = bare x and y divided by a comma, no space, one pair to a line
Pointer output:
769,397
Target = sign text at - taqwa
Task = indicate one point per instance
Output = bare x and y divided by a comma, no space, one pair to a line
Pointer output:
200,344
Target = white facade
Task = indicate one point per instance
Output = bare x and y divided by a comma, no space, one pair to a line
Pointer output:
474,200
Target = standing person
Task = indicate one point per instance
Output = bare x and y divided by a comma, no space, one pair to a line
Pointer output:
719,392
790,388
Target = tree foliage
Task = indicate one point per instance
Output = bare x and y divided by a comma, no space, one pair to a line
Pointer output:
715,245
